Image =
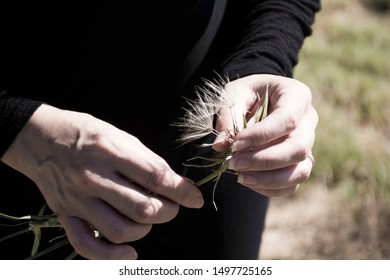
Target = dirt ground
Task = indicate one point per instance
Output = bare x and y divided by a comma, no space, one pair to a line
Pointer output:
315,223
293,222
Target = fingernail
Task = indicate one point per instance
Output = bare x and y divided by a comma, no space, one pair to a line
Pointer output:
188,180
220,137
131,254
240,145
247,179
197,202
239,164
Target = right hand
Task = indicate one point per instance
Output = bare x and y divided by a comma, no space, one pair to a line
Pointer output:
95,176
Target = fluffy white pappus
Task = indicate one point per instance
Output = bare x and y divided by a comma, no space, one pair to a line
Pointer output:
198,119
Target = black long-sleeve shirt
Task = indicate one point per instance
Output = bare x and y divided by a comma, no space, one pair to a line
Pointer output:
129,63
122,61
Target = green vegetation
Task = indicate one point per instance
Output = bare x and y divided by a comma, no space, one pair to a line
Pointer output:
346,63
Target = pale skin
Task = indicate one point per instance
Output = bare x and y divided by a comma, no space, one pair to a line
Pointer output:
272,156
95,176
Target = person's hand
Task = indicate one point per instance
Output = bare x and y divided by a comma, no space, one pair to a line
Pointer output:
97,177
273,156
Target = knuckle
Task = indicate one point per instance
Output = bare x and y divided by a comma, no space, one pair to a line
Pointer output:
85,177
117,234
315,116
146,212
307,91
291,120
304,174
267,163
159,177
301,152
267,135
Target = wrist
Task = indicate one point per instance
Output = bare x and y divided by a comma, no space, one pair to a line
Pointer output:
48,131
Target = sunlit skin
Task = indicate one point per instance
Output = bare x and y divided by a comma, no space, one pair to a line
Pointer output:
83,165
95,176
271,157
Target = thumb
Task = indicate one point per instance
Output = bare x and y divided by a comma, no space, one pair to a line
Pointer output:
227,128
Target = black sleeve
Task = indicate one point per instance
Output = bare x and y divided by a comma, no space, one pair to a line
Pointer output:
14,113
271,34
18,44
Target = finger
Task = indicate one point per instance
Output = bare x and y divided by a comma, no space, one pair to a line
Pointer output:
154,174
135,202
85,244
277,179
230,119
283,152
111,224
278,192
288,110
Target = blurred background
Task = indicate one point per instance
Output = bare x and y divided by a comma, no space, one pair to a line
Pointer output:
343,211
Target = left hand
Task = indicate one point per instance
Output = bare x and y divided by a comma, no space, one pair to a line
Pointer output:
271,157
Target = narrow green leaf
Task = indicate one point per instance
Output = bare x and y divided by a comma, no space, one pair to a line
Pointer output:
37,241
50,249
71,256
14,234
265,104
